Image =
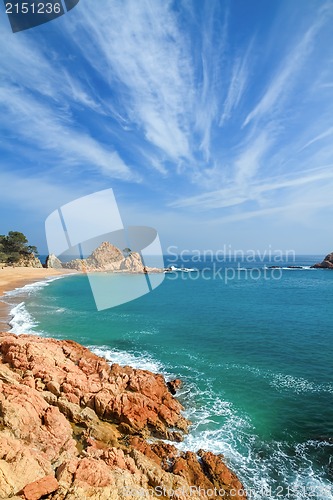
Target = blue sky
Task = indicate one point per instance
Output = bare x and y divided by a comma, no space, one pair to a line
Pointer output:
211,120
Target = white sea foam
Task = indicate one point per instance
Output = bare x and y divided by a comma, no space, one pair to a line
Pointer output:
300,268
31,287
123,358
285,382
181,269
298,384
268,470
21,321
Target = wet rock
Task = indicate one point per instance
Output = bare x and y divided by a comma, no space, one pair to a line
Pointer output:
327,263
174,385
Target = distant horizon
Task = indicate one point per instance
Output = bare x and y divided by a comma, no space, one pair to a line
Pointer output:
207,254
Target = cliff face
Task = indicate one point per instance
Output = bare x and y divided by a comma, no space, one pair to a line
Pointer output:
74,427
52,262
29,261
327,263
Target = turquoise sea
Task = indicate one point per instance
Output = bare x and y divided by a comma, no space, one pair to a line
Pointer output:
254,348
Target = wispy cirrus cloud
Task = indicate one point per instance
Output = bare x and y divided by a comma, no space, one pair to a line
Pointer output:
211,55
236,195
49,130
170,92
283,80
249,161
36,95
323,135
237,85
141,48
37,68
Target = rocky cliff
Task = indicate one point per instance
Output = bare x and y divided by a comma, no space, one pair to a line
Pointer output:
29,261
327,263
52,262
72,426
106,258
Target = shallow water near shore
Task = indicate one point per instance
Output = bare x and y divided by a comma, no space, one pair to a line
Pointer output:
253,347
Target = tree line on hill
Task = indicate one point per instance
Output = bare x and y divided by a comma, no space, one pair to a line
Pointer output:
14,247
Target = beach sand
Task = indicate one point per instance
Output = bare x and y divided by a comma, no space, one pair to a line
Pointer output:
17,277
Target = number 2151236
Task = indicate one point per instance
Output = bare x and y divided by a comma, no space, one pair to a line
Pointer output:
33,8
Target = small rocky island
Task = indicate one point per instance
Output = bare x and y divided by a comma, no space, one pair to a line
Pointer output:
327,263
105,258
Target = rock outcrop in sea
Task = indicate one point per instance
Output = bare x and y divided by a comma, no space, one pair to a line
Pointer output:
105,258
52,262
327,263
73,426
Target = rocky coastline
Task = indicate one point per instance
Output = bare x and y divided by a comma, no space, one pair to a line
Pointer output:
74,426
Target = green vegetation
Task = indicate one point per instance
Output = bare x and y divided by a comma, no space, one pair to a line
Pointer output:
14,247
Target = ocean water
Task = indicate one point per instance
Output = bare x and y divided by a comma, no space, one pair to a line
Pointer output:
253,346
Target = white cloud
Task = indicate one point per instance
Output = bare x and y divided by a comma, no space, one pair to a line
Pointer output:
237,195
81,95
141,47
211,56
36,93
167,83
328,132
50,129
249,161
35,67
283,80
164,87
237,85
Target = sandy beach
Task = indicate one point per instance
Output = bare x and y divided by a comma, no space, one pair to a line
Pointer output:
16,277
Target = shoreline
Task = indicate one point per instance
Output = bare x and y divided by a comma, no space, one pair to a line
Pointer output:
126,441
12,278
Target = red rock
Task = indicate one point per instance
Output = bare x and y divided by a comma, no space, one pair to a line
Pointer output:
54,391
40,488
93,473
220,474
142,446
